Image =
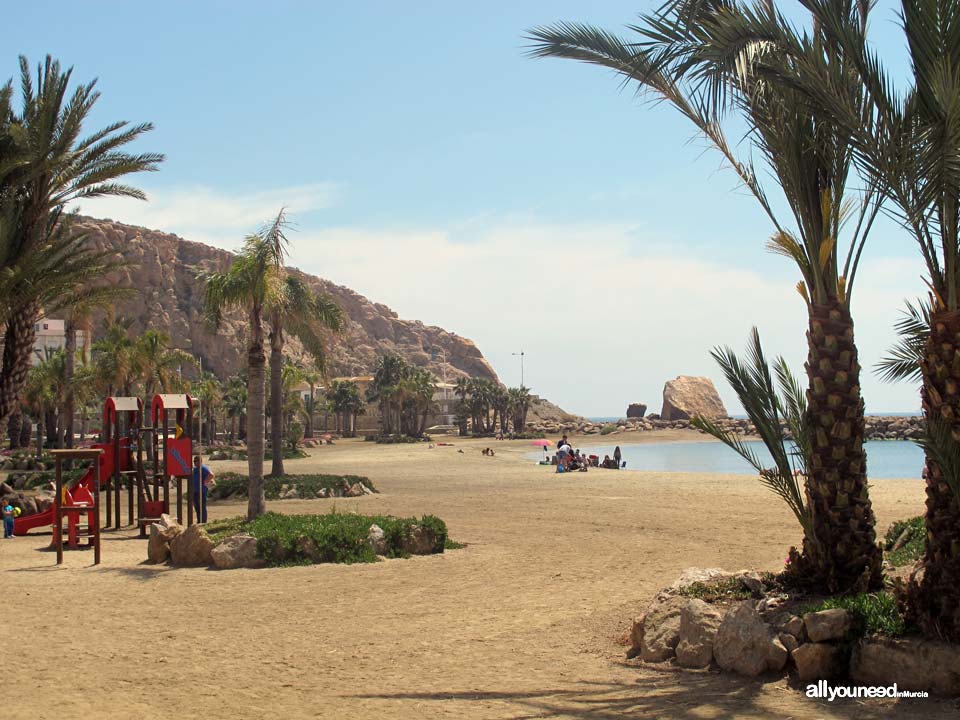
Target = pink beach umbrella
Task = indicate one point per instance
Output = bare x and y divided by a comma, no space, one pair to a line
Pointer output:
542,443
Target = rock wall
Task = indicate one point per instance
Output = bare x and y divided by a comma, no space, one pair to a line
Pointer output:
164,268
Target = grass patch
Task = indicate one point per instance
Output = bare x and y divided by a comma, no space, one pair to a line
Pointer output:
912,549
607,429
235,485
870,614
330,538
731,588
453,545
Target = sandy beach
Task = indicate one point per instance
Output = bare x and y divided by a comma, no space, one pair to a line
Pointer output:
527,621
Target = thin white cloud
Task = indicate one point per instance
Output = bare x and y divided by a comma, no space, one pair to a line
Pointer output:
207,215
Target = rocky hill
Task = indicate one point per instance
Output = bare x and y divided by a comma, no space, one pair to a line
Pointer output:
164,268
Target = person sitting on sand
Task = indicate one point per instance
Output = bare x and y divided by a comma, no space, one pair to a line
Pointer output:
607,463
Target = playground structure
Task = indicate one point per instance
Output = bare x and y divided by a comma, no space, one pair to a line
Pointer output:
82,502
119,461
172,453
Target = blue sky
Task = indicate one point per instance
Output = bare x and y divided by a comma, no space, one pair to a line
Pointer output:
432,166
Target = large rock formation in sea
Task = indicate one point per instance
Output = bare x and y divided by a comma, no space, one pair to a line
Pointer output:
686,396
164,269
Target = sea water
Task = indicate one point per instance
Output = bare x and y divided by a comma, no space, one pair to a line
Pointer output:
885,458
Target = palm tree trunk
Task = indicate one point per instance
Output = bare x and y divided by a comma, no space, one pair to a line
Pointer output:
18,341
933,596
70,350
40,433
256,407
847,557
276,399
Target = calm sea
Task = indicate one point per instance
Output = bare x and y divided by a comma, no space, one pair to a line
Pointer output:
885,458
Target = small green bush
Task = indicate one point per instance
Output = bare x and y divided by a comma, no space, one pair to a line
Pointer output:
731,588
398,439
912,550
231,484
607,429
870,614
331,538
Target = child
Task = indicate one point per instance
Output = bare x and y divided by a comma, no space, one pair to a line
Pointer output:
202,480
7,520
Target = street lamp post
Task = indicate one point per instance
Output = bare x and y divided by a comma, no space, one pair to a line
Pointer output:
521,353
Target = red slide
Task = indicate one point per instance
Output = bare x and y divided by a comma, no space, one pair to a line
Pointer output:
28,522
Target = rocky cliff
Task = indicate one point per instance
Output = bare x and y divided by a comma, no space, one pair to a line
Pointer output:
163,268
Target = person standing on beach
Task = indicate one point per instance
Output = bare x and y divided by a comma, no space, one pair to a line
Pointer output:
202,479
617,456
8,516
561,442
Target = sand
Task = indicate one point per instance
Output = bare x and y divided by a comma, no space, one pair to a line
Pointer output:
527,621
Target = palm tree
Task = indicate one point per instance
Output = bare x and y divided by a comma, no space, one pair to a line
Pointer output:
385,389
312,377
908,146
346,402
158,363
307,315
44,390
115,360
235,403
250,285
45,164
520,404
689,56
210,393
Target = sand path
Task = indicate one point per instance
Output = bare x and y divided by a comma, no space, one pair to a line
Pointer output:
525,622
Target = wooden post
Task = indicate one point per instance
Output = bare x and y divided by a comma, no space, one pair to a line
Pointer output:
58,512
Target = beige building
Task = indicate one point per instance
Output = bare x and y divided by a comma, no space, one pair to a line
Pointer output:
51,336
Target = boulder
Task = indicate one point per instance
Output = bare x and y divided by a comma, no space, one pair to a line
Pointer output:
777,655
161,534
911,663
692,575
237,551
826,624
794,626
191,548
742,644
699,622
158,548
789,641
751,581
661,629
636,410
355,490
687,396
815,661
420,541
377,540
5,489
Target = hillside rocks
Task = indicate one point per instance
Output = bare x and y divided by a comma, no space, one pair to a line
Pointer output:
636,410
911,663
687,396
164,268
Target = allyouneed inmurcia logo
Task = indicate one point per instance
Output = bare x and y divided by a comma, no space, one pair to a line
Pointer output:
825,690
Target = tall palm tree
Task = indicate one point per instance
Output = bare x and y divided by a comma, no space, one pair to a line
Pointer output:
45,164
307,315
686,56
346,402
250,285
909,145
520,404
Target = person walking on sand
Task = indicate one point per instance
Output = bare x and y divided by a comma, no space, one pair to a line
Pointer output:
617,456
202,481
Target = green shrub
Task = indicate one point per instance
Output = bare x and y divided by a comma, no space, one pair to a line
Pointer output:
330,538
231,484
397,439
731,588
870,614
607,429
912,550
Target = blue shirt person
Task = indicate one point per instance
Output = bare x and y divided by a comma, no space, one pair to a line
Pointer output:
201,481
